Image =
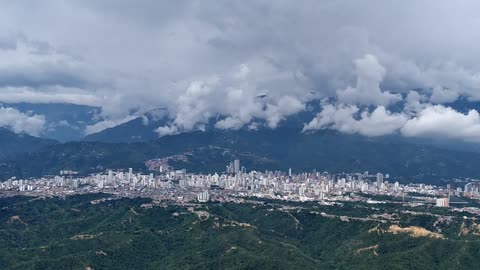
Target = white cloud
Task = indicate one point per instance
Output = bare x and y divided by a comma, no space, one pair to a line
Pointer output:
414,102
229,123
108,123
438,121
20,122
285,106
422,120
367,90
337,117
235,97
167,130
443,95
349,119
380,122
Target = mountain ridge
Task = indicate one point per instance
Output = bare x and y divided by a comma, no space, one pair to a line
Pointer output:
139,129
12,143
278,149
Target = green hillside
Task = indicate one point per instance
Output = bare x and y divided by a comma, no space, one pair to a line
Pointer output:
72,233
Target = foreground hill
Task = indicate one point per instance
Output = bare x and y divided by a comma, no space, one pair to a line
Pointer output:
258,150
73,233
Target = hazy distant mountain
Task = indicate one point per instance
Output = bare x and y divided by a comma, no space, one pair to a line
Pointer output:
13,144
140,129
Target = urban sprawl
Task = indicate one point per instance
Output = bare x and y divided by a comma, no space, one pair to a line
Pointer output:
237,183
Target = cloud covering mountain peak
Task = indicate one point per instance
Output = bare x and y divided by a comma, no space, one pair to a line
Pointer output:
203,59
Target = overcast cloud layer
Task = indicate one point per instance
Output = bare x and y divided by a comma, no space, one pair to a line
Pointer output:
200,59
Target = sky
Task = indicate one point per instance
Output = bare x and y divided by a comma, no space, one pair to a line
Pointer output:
202,59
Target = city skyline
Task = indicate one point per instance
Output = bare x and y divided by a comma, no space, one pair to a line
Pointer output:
300,186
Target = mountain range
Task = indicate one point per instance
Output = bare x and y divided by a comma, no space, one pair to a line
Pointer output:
278,149
136,142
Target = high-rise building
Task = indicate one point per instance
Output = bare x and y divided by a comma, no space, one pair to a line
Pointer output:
379,180
110,176
231,167
236,166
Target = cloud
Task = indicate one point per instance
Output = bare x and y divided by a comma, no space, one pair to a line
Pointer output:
234,97
421,120
229,123
20,122
285,106
349,119
414,102
438,121
367,90
105,124
167,130
50,95
273,114
157,52
443,95
37,65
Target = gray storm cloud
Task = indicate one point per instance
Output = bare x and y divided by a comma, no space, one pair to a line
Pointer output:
203,59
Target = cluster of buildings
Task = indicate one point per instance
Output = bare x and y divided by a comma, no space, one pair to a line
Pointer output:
472,189
234,167
235,181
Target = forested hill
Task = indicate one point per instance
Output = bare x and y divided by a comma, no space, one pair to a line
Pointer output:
73,233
